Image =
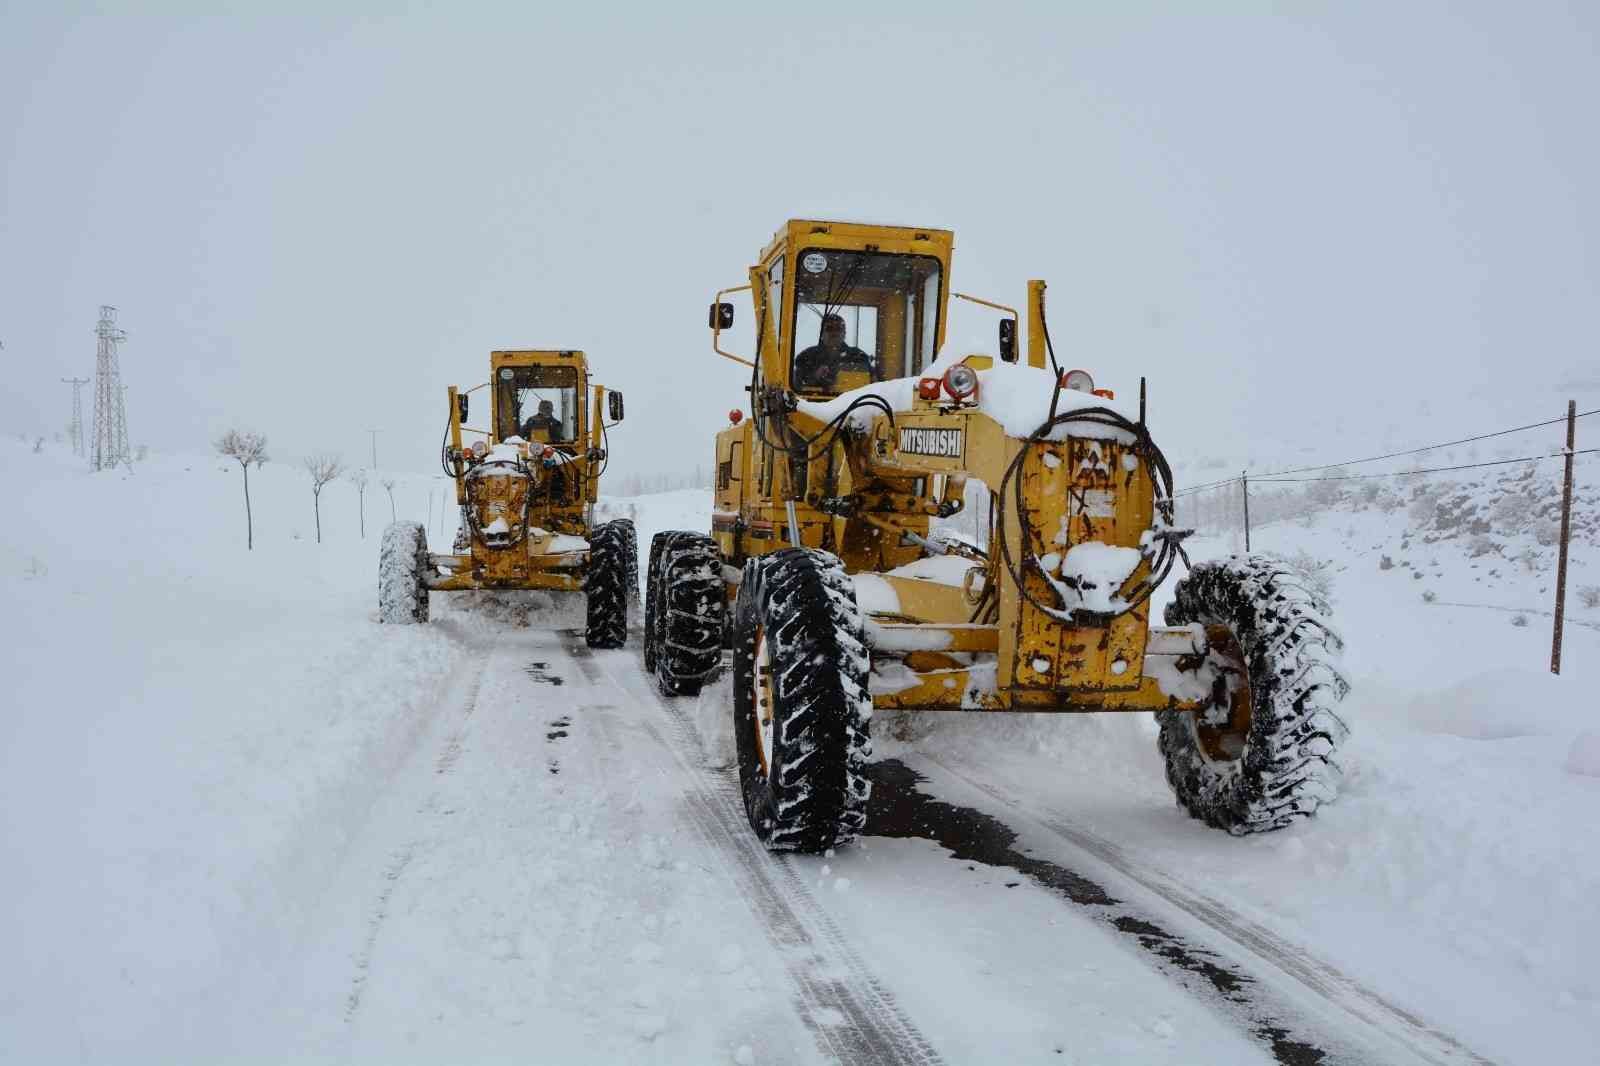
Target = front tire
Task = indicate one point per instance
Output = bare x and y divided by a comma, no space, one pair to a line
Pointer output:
403,567
605,585
1262,757
801,708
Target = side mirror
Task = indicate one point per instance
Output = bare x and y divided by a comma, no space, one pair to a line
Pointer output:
614,399
721,316
461,406
1008,340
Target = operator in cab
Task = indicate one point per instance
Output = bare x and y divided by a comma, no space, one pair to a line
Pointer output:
545,422
819,365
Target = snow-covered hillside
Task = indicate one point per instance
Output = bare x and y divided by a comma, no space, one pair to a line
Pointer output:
222,778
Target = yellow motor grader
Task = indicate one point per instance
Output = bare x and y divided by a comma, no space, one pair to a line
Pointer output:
526,487
827,572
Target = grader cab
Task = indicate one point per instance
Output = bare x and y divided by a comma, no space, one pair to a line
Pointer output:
526,487
828,572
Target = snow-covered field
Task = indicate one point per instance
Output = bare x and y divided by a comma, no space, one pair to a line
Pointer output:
247,823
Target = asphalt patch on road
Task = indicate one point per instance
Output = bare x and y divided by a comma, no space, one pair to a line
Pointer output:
899,808
558,730
540,672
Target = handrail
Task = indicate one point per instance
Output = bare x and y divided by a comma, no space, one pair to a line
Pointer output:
1012,311
716,328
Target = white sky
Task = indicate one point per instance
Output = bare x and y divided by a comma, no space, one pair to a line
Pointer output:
1312,231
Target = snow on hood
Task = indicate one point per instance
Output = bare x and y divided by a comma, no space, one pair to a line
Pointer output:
1016,396
504,452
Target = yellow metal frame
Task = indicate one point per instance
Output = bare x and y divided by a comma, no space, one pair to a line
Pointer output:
533,563
868,500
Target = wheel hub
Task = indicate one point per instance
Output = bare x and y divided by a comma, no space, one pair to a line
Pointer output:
1222,729
761,700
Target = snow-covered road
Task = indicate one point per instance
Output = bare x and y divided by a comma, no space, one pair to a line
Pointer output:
558,875
561,873
251,824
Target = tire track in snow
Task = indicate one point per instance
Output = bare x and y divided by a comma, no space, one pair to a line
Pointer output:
849,1012
402,857
1323,980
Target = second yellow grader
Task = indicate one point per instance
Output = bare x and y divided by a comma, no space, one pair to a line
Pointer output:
825,573
526,486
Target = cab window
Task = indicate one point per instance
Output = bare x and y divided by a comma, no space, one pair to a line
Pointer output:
861,317
538,403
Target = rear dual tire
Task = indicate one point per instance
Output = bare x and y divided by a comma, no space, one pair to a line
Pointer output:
684,612
613,560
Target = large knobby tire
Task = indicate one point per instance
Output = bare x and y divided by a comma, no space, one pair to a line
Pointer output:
631,537
606,584
650,582
801,710
685,606
1265,757
402,569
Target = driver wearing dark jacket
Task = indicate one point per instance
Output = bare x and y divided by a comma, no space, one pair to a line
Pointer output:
818,365
545,421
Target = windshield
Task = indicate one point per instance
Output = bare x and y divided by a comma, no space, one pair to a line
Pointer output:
861,317
538,403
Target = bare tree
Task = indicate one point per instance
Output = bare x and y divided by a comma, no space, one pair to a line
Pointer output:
388,486
323,468
358,478
245,449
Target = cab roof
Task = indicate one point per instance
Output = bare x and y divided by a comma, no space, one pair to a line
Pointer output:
843,234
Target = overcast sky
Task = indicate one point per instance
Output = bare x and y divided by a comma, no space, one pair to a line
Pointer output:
1311,226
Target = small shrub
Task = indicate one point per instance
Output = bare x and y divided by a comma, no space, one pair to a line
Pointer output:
1385,563
1481,545
1519,620
1589,596
1429,596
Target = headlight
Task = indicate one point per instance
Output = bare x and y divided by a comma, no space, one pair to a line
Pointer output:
961,381
1077,379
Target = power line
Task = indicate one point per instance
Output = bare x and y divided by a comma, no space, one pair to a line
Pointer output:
1203,488
1429,470
1278,475
1428,448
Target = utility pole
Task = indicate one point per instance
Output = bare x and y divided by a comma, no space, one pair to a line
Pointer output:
75,428
1566,535
1244,479
110,414
374,448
